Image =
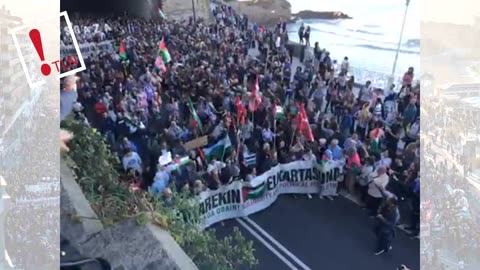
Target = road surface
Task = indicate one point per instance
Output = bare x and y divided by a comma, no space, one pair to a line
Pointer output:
320,234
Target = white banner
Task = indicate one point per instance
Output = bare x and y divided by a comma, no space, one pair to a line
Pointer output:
240,199
87,49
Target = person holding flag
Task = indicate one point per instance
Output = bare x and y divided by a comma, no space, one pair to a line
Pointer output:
163,51
375,136
255,98
303,125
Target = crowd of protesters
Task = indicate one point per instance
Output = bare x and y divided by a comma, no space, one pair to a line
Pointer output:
447,213
31,224
451,213
175,81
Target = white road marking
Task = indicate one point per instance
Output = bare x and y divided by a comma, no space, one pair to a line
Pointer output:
275,242
266,244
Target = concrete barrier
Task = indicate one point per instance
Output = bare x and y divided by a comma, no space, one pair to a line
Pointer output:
126,245
183,9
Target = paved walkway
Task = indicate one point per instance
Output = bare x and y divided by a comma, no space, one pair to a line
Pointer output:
315,234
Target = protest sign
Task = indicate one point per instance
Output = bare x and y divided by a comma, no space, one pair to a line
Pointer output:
87,49
196,143
240,199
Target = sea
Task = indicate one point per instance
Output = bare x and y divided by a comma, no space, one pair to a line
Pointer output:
370,39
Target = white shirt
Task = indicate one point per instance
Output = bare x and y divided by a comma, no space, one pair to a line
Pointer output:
380,181
216,167
335,70
132,161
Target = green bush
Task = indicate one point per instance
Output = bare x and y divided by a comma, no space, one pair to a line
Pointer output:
98,173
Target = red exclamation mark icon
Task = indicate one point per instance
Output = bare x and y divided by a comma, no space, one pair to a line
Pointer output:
37,43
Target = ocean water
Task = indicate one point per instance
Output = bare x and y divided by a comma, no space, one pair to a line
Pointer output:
369,39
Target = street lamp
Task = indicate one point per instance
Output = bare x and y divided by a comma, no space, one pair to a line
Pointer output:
193,10
391,79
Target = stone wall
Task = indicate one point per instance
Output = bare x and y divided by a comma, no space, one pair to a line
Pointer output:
126,245
182,9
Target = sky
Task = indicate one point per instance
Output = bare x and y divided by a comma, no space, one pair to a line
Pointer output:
458,11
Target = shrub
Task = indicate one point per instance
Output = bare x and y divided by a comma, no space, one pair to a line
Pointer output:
98,174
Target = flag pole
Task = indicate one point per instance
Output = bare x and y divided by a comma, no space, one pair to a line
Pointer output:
293,136
253,118
274,126
237,158
274,133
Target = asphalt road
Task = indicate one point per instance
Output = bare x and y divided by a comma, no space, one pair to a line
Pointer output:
320,234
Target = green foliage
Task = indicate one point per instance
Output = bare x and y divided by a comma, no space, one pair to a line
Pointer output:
97,170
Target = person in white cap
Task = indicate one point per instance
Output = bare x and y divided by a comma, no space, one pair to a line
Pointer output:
377,183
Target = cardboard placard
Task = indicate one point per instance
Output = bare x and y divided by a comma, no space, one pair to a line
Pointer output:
196,143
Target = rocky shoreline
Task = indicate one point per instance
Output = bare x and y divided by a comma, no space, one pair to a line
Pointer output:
269,12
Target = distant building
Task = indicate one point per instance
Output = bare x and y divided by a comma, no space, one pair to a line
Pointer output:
461,90
15,94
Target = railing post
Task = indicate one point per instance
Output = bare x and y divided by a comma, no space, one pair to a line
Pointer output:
392,78
4,205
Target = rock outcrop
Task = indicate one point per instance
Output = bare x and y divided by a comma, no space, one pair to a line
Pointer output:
325,15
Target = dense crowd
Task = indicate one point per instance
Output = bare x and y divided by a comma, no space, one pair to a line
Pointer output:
237,83
451,211
31,226
450,220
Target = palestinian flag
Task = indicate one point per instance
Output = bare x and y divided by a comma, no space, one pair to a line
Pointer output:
217,150
255,98
278,112
197,120
122,52
163,51
178,163
162,15
252,193
375,145
241,112
160,65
